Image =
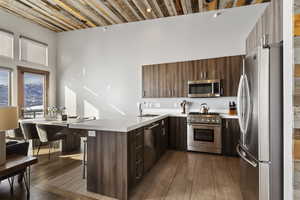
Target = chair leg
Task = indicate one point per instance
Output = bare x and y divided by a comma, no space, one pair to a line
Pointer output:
84,158
49,151
37,154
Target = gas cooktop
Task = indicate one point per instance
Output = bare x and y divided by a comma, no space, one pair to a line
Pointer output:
198,113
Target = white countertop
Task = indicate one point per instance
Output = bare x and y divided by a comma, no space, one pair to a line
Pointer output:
129,123
122,124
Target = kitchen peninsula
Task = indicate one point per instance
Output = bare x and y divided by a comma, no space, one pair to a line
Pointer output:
122,150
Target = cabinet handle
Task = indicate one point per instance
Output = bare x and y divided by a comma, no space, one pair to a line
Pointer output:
170,92
201,75
144,93
226,124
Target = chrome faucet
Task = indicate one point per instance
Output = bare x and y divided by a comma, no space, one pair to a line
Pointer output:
140,106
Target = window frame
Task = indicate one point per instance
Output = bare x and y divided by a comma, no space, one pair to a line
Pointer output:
13,45
9,84
21,99
34,41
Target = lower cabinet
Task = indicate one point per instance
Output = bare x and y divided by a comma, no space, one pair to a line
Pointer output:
178,133
230,136
136,156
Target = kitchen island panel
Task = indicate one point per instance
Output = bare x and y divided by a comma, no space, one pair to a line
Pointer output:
107,168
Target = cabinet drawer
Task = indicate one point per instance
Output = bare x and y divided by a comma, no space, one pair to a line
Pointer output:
139,155
139,171
139,138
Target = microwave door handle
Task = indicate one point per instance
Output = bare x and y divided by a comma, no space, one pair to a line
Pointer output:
212,89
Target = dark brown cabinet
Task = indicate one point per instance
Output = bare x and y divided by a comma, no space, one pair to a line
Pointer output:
230,136
178,133
136,156
171,79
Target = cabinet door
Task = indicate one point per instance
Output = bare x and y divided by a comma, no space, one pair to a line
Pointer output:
178,133
164,136
150,81
136,156
230,136
232,74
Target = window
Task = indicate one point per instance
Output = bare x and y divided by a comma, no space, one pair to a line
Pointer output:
33,92
33,51
5,81
7,43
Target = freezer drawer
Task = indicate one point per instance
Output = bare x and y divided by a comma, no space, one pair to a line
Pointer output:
255,177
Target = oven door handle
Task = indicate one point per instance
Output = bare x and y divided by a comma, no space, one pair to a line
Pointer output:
205,126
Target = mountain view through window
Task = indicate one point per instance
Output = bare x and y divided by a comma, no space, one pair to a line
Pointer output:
4,87
33,91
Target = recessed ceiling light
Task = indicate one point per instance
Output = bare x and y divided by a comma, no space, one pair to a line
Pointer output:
148,10
217,14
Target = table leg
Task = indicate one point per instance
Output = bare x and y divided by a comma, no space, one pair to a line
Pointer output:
27,181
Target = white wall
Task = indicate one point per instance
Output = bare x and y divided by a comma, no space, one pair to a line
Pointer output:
20,26
100,70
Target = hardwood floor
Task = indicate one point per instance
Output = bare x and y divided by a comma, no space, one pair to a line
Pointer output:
178,175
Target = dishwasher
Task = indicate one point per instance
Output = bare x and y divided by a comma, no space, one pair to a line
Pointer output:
150,143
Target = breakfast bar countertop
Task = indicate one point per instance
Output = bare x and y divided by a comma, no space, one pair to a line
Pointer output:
117,124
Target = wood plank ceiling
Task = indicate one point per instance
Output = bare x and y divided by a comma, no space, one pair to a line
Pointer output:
66,15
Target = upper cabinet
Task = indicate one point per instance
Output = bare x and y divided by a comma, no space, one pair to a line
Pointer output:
171,79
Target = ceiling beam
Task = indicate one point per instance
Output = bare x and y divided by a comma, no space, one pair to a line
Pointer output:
28,10
239,3
154,4
40,10
147,6
36,20
169,8
184,8
189,6
213,5
87,12
142,8
97,8
74,13
115,4
55,12
200,5
133,10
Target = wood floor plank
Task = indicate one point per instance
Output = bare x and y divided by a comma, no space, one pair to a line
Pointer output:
176,176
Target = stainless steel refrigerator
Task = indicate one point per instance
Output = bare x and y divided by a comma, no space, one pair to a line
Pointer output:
260,111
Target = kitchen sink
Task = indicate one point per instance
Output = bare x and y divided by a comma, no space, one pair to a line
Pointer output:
149,115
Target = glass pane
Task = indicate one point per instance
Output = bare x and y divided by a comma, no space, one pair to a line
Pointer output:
200,88
6,47
4,87
34,52
34,95
204,135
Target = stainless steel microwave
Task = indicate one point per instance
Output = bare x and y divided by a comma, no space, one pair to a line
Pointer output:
205,88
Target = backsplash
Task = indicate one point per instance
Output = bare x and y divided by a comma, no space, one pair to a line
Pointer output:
220,103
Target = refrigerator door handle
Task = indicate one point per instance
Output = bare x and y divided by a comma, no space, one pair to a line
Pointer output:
247,91
239,104
243,156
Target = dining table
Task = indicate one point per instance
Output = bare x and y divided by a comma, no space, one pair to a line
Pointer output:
72,141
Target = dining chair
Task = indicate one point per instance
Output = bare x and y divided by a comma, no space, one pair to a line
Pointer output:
29,133
48,134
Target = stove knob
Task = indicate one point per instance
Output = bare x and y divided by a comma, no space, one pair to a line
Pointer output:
208,120
213,120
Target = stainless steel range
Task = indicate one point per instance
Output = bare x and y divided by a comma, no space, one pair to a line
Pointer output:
204,132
